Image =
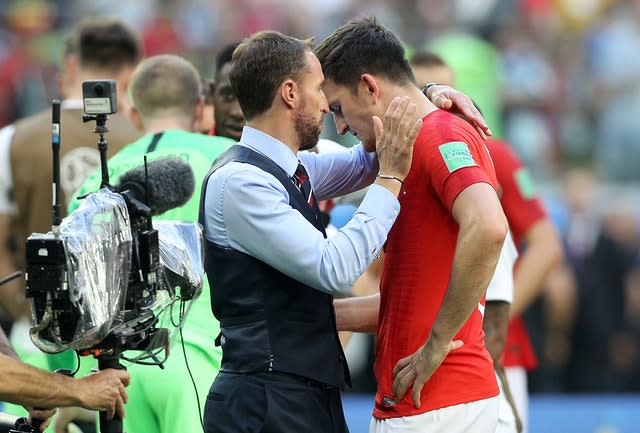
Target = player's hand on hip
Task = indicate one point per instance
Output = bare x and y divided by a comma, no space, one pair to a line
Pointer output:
395,136
448,98
415,370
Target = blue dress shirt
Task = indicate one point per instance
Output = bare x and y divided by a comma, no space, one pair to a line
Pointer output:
248,209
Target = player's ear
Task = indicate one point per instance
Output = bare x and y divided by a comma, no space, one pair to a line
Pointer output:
368,87
198,111
135,118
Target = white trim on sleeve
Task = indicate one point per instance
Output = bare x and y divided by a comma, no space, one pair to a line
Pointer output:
7,205
501,284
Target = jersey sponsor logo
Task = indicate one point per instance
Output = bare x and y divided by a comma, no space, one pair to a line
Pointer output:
75,166
525,183
456,155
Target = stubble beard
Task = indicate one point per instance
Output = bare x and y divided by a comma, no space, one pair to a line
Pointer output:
308,130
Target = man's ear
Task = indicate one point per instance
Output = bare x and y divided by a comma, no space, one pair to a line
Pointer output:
289,93
135,118
368,87
198,111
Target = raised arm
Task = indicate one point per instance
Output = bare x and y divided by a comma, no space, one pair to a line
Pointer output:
269,229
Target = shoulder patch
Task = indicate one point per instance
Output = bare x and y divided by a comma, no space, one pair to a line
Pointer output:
525,183
456,154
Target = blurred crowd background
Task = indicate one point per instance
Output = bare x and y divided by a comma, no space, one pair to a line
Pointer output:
558,79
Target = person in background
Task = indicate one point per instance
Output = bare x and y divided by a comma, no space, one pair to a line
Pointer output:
430,67
540,251
229,119
207,124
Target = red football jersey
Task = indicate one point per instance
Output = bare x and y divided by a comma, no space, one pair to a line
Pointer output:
523,209
448,157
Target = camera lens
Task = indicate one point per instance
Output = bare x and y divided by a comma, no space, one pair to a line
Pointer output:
99,89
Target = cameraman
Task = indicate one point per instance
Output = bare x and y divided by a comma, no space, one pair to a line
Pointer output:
31,387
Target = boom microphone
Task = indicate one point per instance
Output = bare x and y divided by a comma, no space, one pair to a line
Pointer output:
166,183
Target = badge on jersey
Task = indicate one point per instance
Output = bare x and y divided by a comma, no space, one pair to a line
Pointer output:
525,184
456,155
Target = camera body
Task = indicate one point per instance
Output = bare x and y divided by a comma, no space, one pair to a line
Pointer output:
46,283
82,278
99,97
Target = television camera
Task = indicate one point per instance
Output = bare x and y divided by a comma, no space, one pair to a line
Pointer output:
105,279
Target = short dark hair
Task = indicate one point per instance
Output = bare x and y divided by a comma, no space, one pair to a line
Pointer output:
426,59
260,64
224,56
363,46
208,87
104,43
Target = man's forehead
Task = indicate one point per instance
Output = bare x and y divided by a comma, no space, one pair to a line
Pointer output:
331,89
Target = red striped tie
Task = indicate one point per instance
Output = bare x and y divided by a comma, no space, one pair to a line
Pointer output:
301,179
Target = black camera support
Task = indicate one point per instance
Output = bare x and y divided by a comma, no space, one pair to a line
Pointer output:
113,425
100,129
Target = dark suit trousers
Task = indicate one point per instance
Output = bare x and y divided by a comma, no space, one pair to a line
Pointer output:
272,403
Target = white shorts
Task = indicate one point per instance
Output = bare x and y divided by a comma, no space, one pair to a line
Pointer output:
506,418
476,417
517,377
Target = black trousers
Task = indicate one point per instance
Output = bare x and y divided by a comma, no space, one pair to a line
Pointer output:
272,403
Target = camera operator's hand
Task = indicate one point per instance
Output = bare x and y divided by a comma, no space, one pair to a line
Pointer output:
41,417
104,391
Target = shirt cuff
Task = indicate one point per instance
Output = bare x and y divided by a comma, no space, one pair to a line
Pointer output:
380,204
